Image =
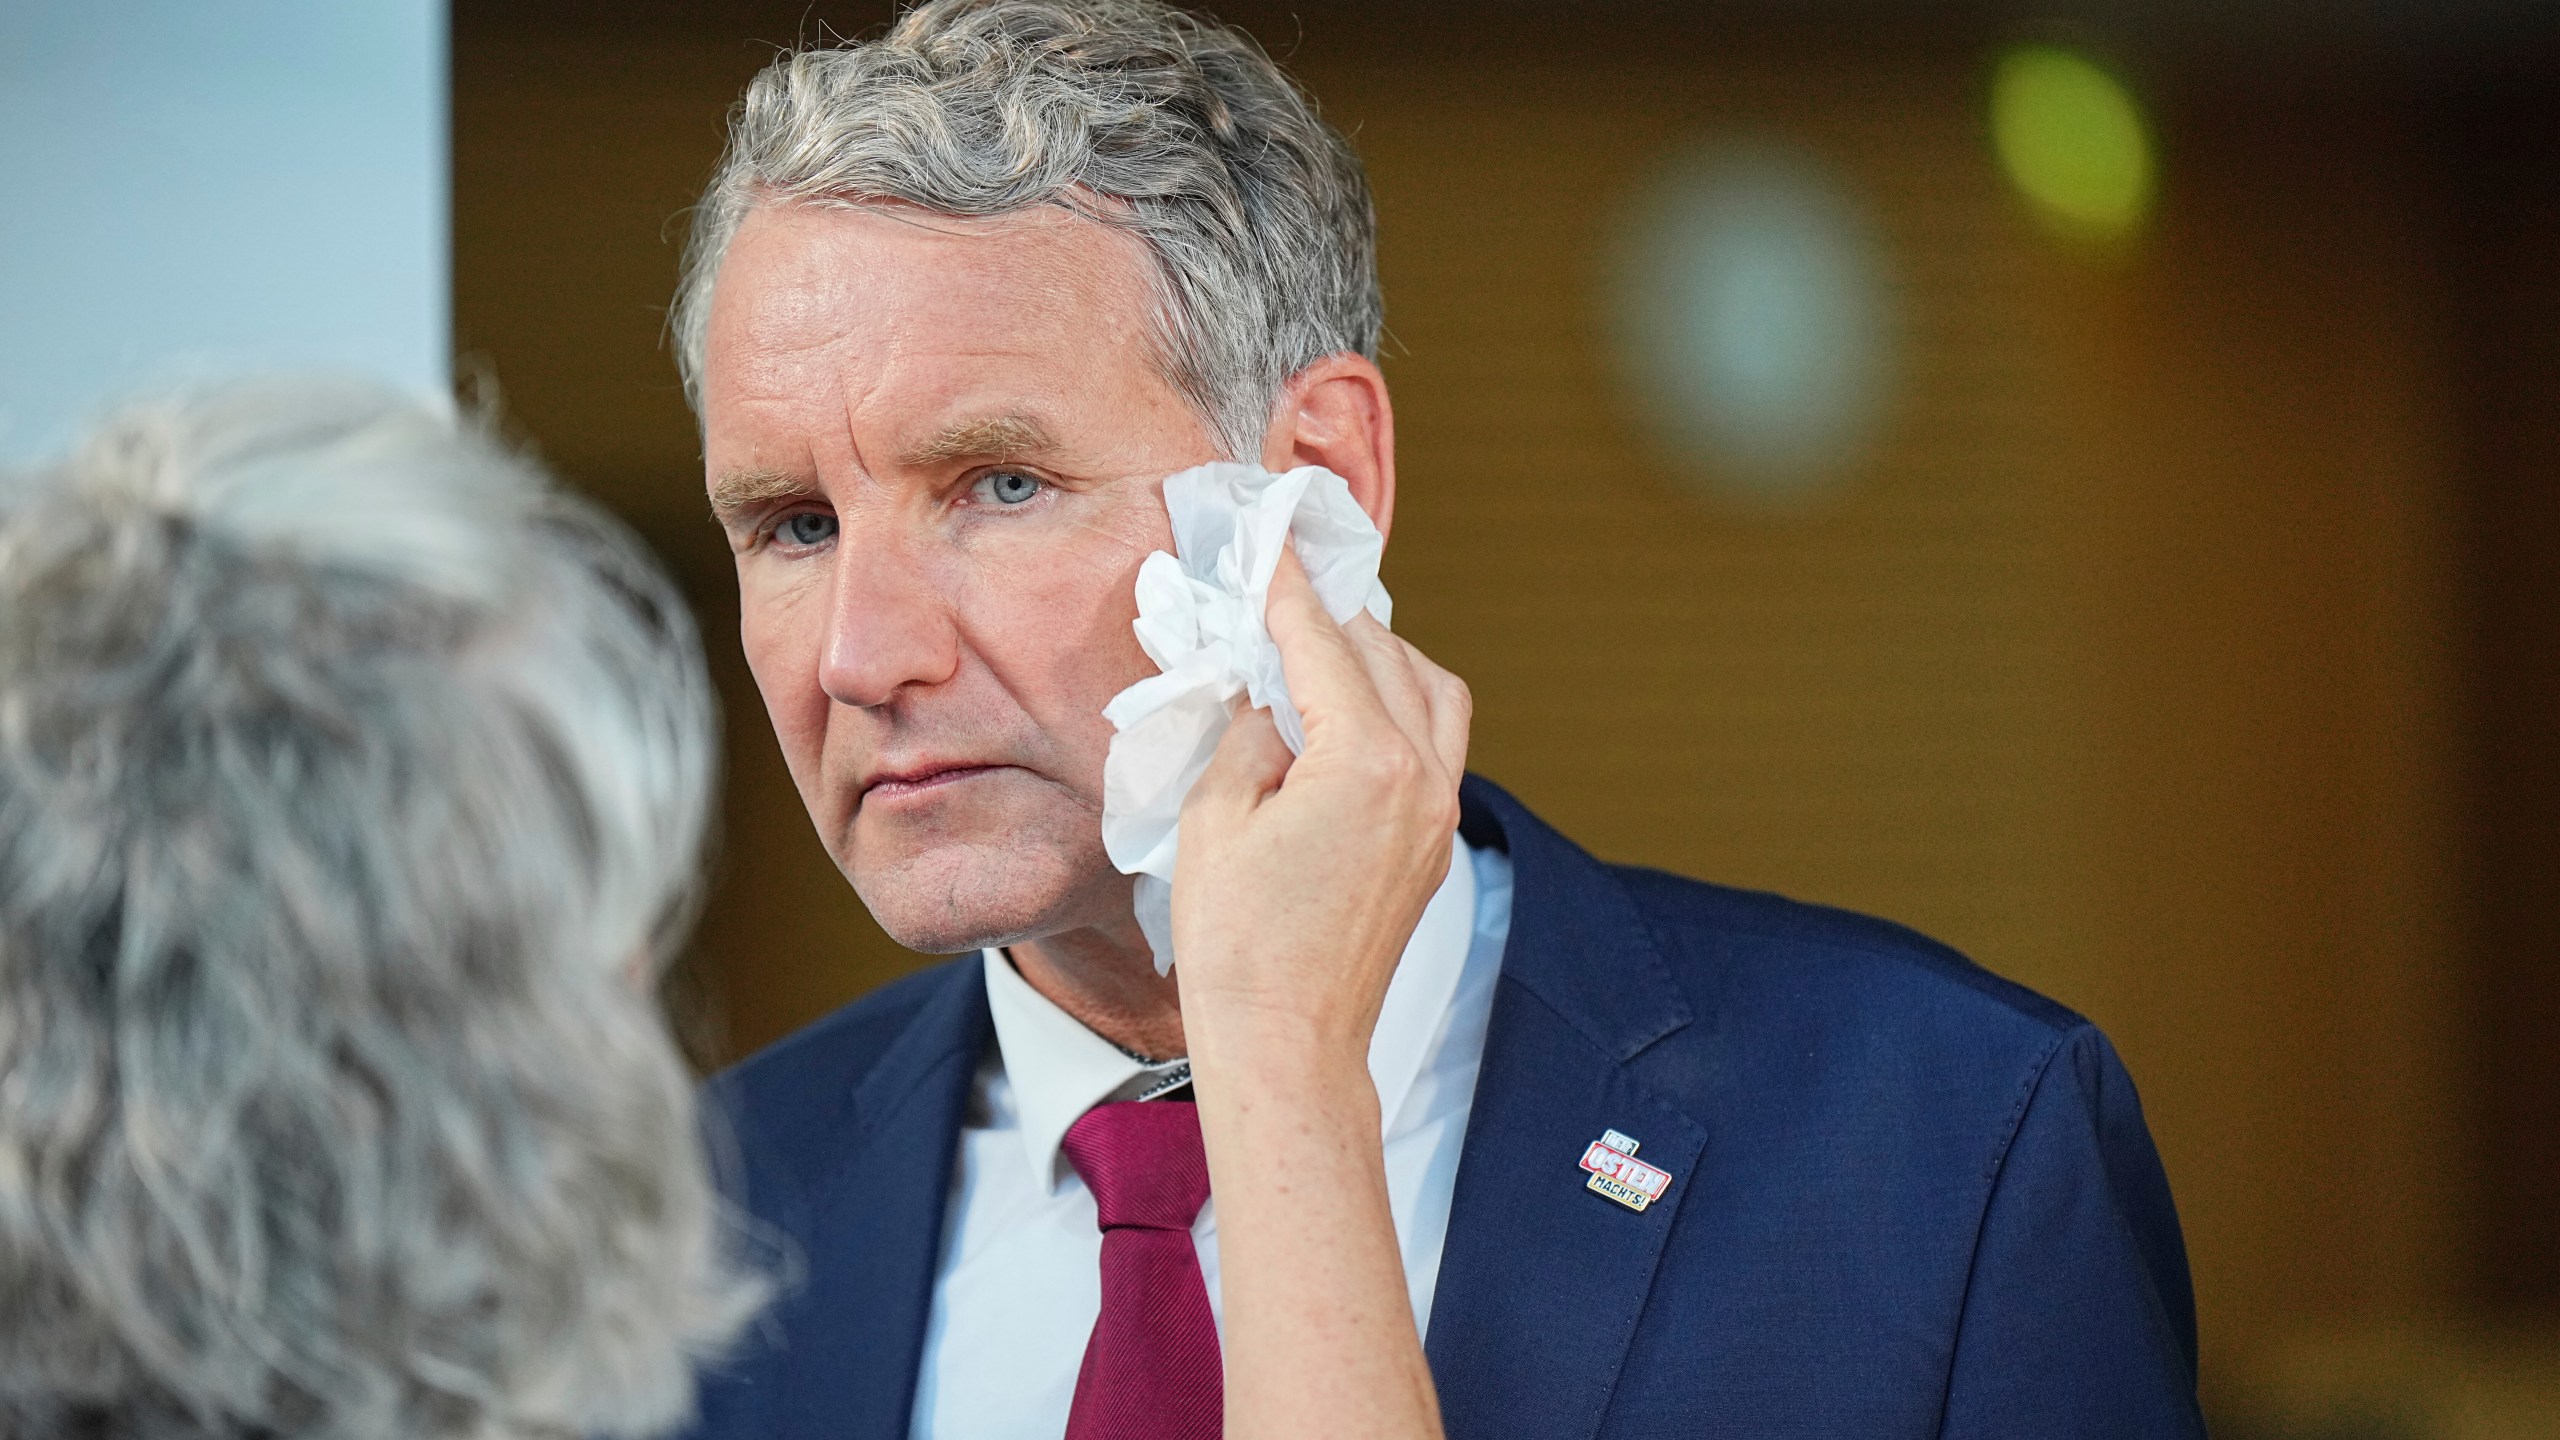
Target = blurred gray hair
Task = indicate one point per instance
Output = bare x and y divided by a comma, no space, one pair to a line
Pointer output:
1256,213
350,774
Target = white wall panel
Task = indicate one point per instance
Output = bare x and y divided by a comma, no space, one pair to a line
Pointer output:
202,185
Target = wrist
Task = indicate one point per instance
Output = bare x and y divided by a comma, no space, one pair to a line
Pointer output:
1320,1071
1278,1046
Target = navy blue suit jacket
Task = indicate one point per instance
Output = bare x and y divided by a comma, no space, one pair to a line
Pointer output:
1908,1198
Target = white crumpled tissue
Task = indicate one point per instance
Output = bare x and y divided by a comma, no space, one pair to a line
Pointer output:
1200,620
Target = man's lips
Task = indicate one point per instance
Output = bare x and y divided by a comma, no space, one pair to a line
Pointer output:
890,785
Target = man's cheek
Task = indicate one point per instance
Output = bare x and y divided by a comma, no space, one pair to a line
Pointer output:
800,729
1087,652
782,655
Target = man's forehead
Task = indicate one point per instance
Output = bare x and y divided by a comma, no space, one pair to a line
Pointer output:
794,262
812,298
849,343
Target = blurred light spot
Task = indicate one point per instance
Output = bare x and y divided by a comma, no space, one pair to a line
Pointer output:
2073,140
1752,321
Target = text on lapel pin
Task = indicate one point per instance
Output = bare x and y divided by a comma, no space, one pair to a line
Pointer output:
1618,1174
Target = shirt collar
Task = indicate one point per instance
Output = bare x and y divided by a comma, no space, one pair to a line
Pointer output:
1057,1069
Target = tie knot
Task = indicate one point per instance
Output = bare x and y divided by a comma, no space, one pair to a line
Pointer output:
1143,1162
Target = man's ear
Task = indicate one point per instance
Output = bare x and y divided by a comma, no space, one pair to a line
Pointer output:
1334,413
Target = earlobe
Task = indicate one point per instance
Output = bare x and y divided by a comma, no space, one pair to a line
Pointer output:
1335,413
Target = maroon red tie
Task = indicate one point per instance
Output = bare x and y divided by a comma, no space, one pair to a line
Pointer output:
1151,1371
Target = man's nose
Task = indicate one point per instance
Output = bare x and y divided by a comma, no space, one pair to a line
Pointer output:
890,627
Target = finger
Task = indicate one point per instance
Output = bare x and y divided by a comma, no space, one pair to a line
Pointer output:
1328,681
1453,709
1249,763
1399,686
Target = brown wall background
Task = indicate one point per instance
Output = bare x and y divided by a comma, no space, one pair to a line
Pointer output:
2183,649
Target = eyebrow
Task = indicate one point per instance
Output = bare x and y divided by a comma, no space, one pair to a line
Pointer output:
990,437
740,491
987,437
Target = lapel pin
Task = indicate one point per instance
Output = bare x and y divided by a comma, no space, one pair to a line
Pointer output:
1618,1174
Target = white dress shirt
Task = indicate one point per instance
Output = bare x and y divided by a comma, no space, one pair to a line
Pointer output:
1020,1282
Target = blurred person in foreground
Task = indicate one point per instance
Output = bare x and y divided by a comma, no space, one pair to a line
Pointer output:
1659,1157
352,779
352,784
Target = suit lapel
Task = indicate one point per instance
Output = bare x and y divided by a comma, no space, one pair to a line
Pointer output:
1542,1280
875,1231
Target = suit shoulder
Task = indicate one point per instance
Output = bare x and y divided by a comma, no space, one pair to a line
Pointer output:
1746,944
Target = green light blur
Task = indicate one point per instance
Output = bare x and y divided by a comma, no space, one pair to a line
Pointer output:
2074,142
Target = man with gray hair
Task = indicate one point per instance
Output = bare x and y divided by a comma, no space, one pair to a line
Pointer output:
1662,1156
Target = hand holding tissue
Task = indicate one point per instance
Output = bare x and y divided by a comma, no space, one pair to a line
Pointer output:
1200,618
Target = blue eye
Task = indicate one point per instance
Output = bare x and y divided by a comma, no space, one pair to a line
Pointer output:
1009,487
806,528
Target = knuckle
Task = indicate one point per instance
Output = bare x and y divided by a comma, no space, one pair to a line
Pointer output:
1455,694
1393,768
1442,820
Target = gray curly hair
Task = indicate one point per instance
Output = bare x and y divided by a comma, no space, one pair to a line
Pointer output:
1256,213
350,775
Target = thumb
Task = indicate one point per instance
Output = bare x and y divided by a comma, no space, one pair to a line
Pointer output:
1328,681
1248,765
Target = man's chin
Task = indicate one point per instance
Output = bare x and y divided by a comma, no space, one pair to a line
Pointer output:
958,897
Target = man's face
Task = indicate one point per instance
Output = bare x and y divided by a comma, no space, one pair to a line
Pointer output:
934,444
